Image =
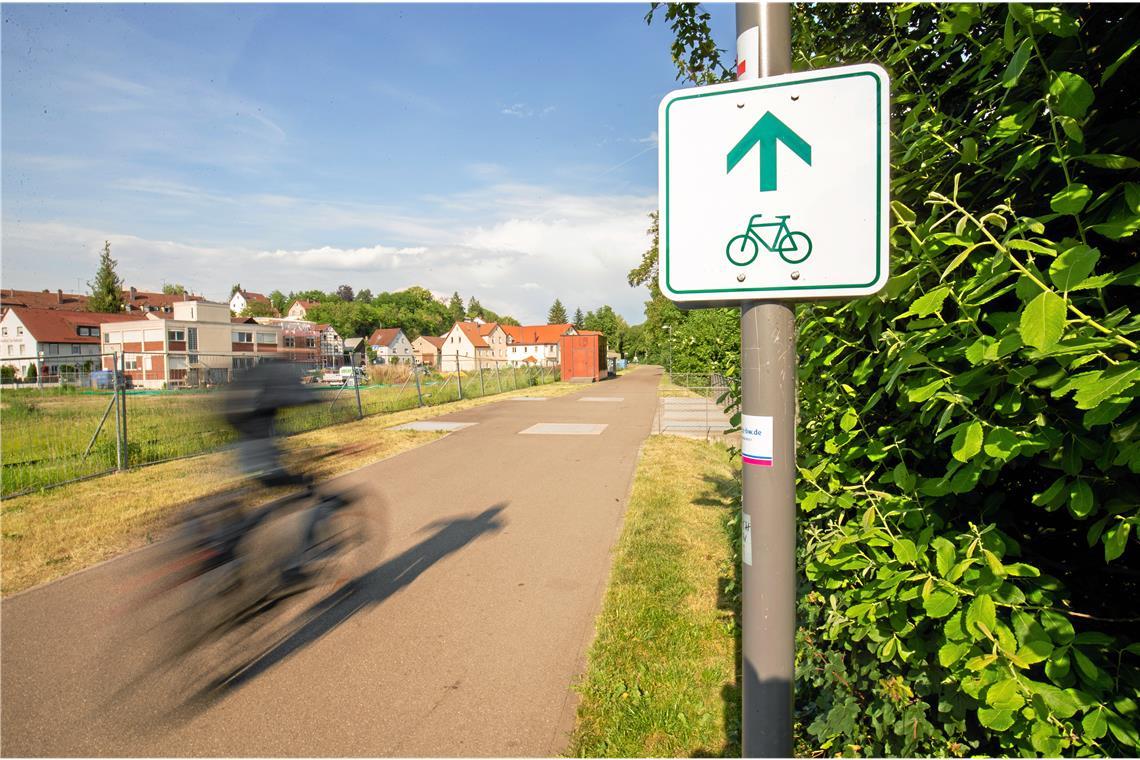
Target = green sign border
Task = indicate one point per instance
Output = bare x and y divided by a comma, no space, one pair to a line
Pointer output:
878,182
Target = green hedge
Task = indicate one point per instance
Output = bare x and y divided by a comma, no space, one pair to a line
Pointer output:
967,439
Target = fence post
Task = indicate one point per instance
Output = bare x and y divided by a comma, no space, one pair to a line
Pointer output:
356,387
118,414
416,375
126,461
479,366
458,376
498,379
515,377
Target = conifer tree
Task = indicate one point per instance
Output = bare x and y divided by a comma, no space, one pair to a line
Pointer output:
107,290
557,314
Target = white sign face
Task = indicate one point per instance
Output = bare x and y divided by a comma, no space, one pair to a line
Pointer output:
775,188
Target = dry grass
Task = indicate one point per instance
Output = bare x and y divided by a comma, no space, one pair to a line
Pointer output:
661,679
58,531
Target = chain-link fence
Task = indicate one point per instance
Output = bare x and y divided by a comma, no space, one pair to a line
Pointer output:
697,404
63,423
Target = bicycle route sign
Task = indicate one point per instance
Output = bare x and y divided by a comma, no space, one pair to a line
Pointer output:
775,188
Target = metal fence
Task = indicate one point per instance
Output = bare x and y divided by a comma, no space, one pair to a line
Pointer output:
116,411
698,405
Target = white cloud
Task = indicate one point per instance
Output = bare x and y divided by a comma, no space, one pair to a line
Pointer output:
531,245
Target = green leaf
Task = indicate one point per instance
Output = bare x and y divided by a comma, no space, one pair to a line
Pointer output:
997,720
1055,21
1043,321
1059,703
948,654
980,615
969,150
929,303
1052,495
849,420
1071,200
1106,385
1125,731
905,551
1001,443
1108,161
1057,626
1073,267
905,215
996,567
944,554
1045,739
940,603
967,441
1005,695
1111,69
1070,94
919,395
1094,723
1017,64
1115,540
1081,499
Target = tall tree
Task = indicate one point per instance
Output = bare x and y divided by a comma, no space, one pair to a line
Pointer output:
455,307
344,292
578,319
235,288
557,313
474,309
107,290
280,301
364,295
258,309
173,289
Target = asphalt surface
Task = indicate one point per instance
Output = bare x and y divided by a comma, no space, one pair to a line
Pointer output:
464,637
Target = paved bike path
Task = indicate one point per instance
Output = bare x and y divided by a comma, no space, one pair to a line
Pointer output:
463,640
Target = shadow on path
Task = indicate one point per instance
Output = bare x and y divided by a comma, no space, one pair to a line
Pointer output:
362,594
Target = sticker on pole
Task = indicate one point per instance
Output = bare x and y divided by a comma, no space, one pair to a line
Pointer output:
775,188
756,440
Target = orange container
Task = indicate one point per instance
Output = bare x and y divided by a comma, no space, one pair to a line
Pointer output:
584,356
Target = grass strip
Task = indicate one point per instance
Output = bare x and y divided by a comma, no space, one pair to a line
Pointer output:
662,674
57,531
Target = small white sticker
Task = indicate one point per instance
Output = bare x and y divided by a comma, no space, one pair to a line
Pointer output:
756,440
746,539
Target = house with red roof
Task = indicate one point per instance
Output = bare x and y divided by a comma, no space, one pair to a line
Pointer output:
134,300
426,350
536,344
300,309
464,348
52,339
243,298
391,345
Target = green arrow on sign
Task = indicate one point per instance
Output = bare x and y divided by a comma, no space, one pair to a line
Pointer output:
766,132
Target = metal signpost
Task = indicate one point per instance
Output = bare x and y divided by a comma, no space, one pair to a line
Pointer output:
772,189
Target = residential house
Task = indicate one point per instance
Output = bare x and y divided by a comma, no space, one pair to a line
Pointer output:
309,341
198,344
300,309
426,350
332,346
536,344
243,298
134,300
391,345
52,339
495,336
465,349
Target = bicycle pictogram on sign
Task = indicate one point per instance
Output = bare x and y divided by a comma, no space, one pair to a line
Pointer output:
792,246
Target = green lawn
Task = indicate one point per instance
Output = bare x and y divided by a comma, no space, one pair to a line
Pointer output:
662,674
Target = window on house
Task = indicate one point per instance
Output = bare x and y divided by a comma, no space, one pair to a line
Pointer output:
19,330
87,332
53,349
11,350
290,341
310,342
242,337
22,349
132,336
131,361
76,348
243,362
176,335
5,331
106,337
268,338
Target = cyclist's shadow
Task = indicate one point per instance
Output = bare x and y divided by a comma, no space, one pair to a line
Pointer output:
363,593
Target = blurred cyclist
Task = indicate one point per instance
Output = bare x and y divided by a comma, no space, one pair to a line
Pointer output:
251,407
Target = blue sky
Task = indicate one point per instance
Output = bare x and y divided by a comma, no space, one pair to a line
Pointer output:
504,151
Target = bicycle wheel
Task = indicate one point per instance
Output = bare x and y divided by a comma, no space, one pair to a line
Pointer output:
737,250
795,252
